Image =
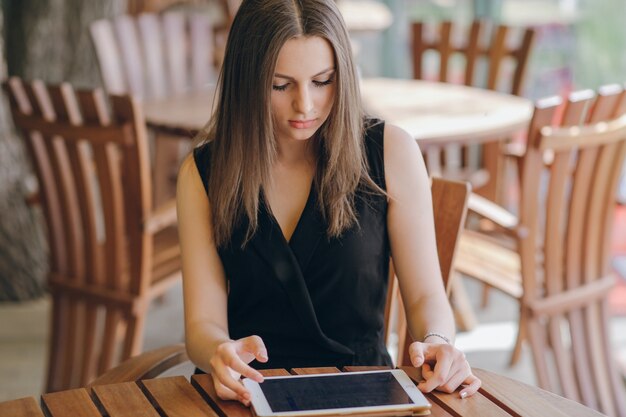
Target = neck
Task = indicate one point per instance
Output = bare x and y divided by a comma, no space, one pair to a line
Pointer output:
295,152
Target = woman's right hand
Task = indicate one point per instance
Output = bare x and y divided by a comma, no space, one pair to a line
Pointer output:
230,362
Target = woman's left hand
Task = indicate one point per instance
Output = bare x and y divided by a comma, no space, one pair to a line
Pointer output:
444,368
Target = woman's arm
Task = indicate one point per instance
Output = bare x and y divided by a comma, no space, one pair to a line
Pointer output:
205,293
414,253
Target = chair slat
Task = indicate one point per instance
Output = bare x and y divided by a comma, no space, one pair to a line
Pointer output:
176,53
151,36
419,47
202,51
554,276
109,56
497,53
445,49
522,55
127,39
472,51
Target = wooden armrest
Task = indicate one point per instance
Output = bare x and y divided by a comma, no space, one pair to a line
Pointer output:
496,214
161,217
144,366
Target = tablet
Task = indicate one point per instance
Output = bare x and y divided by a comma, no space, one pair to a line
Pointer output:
387,392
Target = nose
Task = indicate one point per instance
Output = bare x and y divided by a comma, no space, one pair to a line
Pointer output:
303,102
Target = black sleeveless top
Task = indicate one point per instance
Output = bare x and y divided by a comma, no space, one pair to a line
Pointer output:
314,301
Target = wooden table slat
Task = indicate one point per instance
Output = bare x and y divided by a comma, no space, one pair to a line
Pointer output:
454,404
313,371
274,372
23,407
204,385
124,400
176,397
72,403
511,395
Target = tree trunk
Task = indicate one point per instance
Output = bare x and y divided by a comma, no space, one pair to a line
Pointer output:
49,40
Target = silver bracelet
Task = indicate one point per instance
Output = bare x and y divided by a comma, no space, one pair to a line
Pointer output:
439,335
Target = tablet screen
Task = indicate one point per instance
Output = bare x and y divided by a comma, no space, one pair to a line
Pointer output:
330,391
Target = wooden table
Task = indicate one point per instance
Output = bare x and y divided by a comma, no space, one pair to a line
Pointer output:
178,397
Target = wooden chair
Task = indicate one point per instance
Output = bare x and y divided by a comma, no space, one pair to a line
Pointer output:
558,267
449,208
154,56
111,251
464,62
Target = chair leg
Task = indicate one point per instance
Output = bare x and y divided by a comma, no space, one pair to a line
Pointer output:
521,336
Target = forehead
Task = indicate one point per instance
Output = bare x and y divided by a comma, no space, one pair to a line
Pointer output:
305,56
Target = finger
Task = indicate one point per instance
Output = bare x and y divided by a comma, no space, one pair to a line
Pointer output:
237,365
224,392
427,371
255,346
454,381
416,353
473,385
222,373
441,371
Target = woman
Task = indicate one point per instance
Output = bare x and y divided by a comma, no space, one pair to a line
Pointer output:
290,209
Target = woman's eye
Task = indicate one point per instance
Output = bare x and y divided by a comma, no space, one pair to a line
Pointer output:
282,87
323,83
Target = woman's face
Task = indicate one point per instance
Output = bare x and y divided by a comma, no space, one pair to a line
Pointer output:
303,89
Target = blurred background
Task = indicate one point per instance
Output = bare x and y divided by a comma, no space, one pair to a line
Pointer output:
579,44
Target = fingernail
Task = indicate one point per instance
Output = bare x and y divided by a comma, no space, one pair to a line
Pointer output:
463,394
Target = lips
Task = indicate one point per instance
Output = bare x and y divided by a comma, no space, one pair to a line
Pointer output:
302,124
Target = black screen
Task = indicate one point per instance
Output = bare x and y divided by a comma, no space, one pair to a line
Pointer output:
322,392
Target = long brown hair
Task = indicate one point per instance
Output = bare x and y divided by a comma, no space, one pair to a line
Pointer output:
241,129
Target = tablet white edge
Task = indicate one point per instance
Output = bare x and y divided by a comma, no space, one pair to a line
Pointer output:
263,409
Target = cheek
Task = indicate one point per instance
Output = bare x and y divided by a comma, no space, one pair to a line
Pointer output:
328,98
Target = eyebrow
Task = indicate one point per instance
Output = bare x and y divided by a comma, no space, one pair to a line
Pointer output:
316,75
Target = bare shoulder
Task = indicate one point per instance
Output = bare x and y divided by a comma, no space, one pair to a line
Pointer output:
399,145
403,160
189,180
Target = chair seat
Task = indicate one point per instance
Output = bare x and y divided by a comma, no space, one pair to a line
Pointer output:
483,258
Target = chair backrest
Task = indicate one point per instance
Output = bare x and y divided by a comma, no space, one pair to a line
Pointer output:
449,209
462,55
568,183
155,55
88,161
495,48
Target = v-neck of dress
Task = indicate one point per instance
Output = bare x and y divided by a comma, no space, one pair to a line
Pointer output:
305,237
308,210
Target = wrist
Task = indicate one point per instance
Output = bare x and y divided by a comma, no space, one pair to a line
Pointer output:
436,337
